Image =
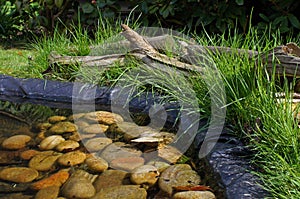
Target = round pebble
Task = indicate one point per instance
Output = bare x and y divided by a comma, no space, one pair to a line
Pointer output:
194,195
96,164
72,158
44,161
28,154
47,193
160,165
169,153
78,187
19,174
43,126
16,142
124,192
56,179
119,150
51,142
56,118
127,164
146,174
95,129
103,117
67,145
97,144
111,178
177,175
63,127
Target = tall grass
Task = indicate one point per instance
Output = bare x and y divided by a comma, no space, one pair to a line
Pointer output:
253,111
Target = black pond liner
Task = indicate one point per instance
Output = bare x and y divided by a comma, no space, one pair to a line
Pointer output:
228,164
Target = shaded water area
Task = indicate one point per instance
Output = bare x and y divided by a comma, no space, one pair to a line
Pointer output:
65,152
88,150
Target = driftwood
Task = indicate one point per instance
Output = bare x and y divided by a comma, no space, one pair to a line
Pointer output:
285,58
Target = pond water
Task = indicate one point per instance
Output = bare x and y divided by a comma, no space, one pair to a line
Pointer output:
94,155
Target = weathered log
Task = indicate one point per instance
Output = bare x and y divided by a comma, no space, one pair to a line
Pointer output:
144,47
191,57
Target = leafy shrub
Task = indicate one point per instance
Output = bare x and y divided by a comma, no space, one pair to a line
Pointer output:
43,16
280,15
8,22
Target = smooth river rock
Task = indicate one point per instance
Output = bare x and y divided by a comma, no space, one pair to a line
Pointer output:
123,191
119,150
44,161
57,179
96,164
78,186
111,178
97,144
127,164
63,127
72,158
68,145
177,175
194,195
18,174
56,118
16,142
51,142
103,117
95,129
47,193
146,174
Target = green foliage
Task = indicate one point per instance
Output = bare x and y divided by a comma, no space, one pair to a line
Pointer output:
280,15
215,16
8,22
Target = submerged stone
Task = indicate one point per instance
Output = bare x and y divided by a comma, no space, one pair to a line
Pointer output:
123,191
177,175
18,174
16,142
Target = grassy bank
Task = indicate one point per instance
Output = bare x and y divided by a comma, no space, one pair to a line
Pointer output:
252,109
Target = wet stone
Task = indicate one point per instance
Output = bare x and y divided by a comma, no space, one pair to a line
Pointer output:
111,178
96,164
16,142
127,164
81,124
56,179
169,153
63,127
194,195
178,175
95,129
28,154
56,118
43,126
72,158
124,192
44,161
103,117
146,174
160,165
78,186
47,193
76,117
97,144
68,145
130,130
119,150
51,142
19,174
